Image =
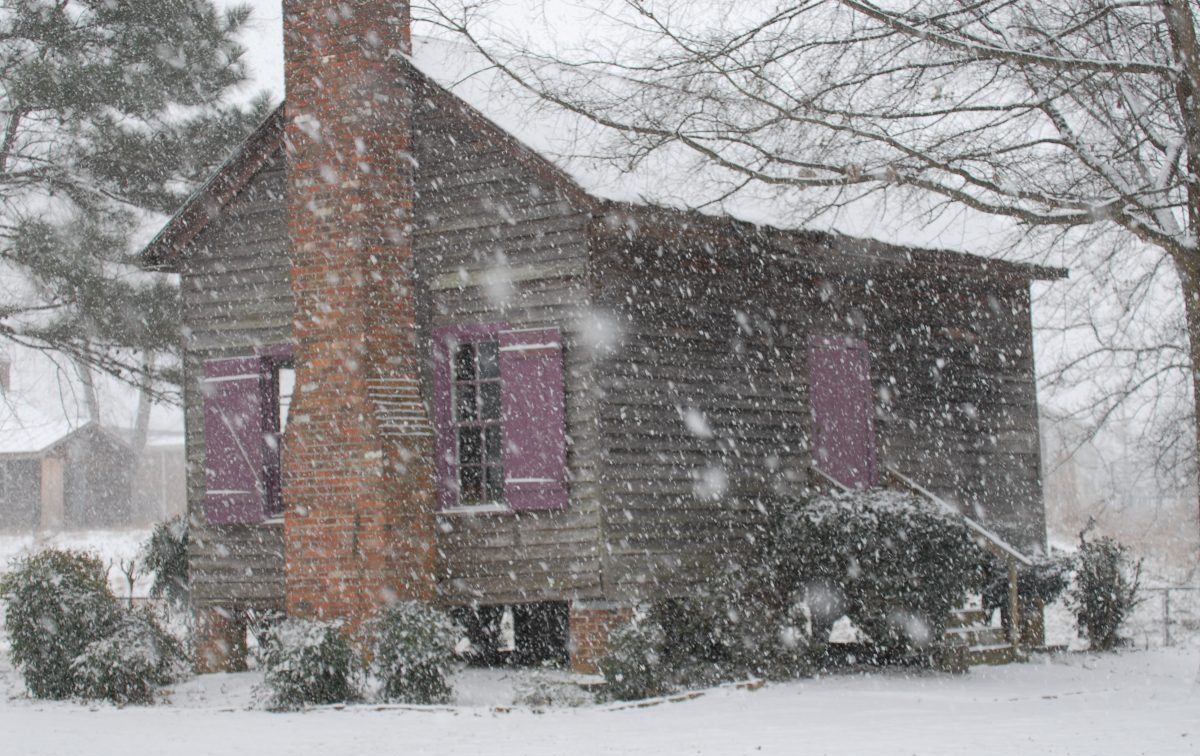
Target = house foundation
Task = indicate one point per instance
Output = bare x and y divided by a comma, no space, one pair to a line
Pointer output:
590,624
220,641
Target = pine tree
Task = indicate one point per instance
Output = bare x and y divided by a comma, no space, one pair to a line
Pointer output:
111,111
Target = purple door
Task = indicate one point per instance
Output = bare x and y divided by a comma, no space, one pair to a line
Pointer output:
843,410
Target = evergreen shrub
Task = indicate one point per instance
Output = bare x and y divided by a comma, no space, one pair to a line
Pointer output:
1104,592
413,653
57,604
165,554
1043,581
894,563
632,665
127,666
309,662
738,629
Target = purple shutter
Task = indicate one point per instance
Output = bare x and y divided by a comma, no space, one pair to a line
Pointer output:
236,419
843,410
532,409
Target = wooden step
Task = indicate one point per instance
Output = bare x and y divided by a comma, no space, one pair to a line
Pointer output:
966,617
974,635
970,640
999,653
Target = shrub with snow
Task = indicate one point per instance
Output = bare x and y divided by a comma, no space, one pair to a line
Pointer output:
413,648
895,564
57,604
1038,585
165,554
309,662
127,666
735,630
1105,590
633,666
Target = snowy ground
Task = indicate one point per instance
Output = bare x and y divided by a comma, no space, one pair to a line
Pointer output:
1138,702
1143,701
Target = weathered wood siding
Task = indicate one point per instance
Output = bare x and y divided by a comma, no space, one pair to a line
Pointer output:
954,372
701,422
501,239
236,298
705,419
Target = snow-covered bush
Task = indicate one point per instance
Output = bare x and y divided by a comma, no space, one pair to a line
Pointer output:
165,554
895,564
57,604
127,666
413,655
1038,585
736,630
633,666
1043,581
1105,590
309,662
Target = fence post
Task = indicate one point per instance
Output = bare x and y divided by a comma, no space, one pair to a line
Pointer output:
1014,605
1167,617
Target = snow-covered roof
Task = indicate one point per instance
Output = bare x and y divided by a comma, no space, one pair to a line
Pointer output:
574,145
25,430
601,161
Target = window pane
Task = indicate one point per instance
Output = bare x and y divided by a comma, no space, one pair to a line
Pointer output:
492,443
491,400
469,480
287,384
495,484
468,447
466,401
464,362
489,359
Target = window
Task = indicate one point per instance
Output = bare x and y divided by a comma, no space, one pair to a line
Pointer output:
499,415
246,400
476,399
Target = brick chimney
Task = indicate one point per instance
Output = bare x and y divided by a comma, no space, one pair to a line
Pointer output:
358,455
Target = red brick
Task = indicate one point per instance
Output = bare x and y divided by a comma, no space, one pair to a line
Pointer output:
350,494
589,625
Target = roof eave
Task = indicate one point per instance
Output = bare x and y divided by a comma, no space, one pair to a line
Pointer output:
707,227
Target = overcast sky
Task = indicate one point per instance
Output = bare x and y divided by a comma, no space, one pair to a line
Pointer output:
263,39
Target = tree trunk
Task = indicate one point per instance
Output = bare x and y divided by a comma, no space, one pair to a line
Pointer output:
1189,280
90,397
141,425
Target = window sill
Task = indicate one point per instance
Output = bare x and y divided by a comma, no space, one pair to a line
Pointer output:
480,509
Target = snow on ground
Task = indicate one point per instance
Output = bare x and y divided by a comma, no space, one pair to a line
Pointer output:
1143,701
112,547
1135,702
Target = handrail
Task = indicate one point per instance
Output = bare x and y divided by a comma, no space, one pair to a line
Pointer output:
987,535
830,479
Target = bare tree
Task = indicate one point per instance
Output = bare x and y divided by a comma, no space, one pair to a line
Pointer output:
1077,122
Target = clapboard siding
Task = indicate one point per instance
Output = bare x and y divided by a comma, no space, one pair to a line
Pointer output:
236,297
699,423
498,241
728,342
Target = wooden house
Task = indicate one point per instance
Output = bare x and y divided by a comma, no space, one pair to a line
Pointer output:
426,361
